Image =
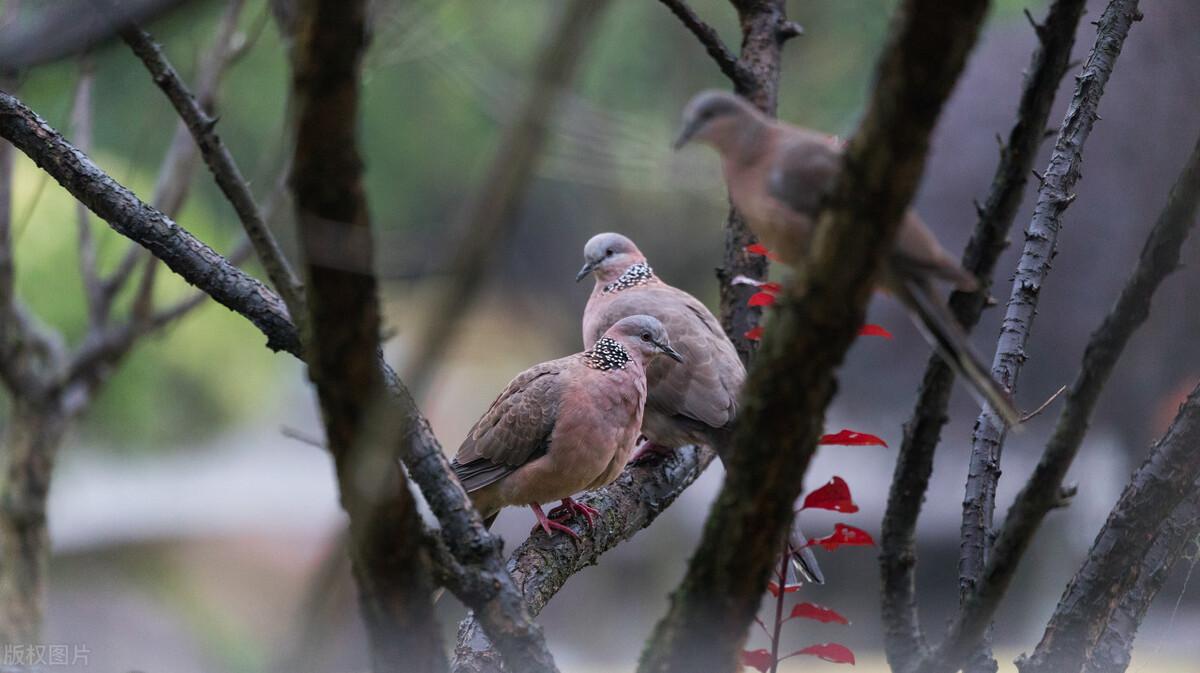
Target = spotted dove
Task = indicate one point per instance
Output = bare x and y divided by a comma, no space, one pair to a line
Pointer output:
563,426
689,402
777,176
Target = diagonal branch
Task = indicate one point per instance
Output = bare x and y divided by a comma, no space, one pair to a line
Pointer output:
792,380
179,162
499,604
541,565
68,27
183,253
220,162
1041,492
903,637
1178,537
738,74
1162,483
1159,257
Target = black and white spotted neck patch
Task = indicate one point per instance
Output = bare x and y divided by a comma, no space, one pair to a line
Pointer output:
607,354
638,274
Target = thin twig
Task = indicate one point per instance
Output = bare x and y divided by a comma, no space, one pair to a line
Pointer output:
222,166
81,123
304,438
1049,400
724,58
179,163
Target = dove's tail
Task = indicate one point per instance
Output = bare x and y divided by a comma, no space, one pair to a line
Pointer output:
943,332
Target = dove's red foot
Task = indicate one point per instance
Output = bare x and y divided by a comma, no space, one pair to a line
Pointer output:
649,451
549,525
571,508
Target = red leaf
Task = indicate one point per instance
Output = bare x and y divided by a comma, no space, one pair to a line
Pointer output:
761,299
760,249
813,611
771,287
843,536
838,654
874,330
835,496
760,659
787,588
754,333
852,438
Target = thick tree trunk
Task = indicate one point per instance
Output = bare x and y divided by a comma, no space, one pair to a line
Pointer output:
30,443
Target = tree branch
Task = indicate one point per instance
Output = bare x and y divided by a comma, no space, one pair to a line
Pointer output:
729,64
540,566
391,566
1040,493
792,380
179,163
500,608
70,27
642,492
222,165
81,122
183,253
1178,534
1161,484
904,639
491,214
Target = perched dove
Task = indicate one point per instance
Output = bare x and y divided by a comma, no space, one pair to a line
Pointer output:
777,176
693,402
563,426
688,402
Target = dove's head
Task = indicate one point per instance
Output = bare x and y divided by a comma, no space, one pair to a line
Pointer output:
608,256
644,335
717,118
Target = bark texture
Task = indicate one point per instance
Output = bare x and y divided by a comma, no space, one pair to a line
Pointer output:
129,216
904,639
1113,563
389,561
540,566
30,442
1178,537
1042,492
498,604
792,380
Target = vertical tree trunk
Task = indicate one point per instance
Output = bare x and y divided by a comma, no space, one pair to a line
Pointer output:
30,443
390,564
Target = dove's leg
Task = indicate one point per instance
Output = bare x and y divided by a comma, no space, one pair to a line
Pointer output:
571,508
648,450
547,524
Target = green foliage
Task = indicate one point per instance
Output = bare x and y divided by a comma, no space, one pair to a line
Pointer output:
200,375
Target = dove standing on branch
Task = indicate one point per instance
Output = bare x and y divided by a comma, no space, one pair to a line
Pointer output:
563,426
689,402
777,177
